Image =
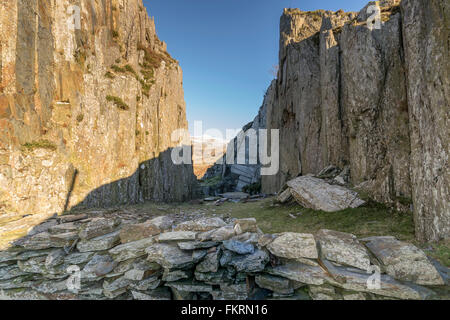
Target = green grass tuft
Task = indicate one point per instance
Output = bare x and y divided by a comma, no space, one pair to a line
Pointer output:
40,144
118,102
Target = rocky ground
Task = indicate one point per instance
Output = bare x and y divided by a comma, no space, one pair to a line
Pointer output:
241,248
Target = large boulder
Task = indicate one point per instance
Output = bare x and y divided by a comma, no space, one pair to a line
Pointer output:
317,194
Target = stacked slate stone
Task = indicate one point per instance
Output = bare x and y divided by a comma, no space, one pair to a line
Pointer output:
76,257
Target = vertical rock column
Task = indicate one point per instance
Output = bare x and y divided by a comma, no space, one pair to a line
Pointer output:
425,39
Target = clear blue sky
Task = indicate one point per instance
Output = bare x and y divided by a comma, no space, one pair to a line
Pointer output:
226,49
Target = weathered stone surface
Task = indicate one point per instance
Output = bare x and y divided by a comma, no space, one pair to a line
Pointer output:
190,286
352,279
113,289
317,194
239,247
22,294
6,256
177,236
150,283
221,276
254,262
63,80
99,266
159,294
142,269
221,234
135,232
54,258
192,245
175,275
210,263
63,228
405,261
170,256
299,272
323,292
72,218
343,248
245,225
131,250
284,196
232,291
45,240
101,243
50,286
78,258
294,246
425,41
164,223
274,283
201,225
98,227
10,272
247,237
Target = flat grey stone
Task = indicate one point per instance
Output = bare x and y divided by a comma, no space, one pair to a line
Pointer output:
292,245
405,261
254,262
104,242
343,248
201,225
131,250
177,236
193,245
238,247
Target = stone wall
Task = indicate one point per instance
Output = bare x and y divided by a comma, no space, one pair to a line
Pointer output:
353,97
86,115
105,256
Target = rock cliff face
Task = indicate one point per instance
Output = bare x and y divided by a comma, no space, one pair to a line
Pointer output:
374,100
86,114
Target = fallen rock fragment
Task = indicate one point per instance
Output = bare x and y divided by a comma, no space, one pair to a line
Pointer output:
317,194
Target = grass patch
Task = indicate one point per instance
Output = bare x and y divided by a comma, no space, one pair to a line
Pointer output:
80,117
441,252
130,69
80,57
254,188
40,144
118,69
211,181
109,75
119,103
